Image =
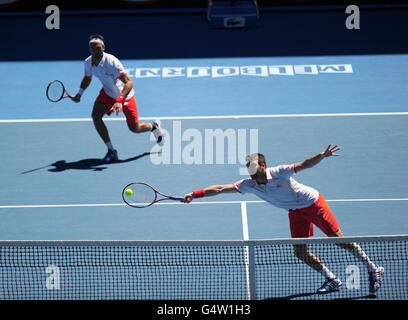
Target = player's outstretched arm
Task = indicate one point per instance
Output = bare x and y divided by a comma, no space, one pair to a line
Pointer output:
209,191
312,161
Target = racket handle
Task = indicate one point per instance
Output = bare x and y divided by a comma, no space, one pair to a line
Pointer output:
176,198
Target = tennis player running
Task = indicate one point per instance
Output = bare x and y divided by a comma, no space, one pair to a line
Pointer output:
116,95
306,207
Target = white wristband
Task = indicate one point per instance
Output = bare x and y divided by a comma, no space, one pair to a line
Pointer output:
80,91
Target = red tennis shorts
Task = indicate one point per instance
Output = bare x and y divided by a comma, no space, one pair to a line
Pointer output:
319,213
129,106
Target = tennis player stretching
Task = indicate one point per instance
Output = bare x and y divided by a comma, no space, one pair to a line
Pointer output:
116,95
306,207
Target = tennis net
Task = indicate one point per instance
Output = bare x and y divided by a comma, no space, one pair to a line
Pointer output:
196,270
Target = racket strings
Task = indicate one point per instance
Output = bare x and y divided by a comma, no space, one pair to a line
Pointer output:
141,195
55,91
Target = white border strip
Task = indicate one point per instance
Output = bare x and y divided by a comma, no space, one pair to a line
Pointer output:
246,248
174,203
244,220
216,117
263,242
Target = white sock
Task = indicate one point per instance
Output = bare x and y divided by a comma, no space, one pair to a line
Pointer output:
327,273
110,146
360,254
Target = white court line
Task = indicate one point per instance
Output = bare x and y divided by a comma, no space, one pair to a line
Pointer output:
311,115
246,237
244,220
174,203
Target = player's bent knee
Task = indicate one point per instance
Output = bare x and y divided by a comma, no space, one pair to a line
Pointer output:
97,116
98,111
300,251
134,127
338,233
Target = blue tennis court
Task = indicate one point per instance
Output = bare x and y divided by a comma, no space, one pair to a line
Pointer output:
52,151
288,107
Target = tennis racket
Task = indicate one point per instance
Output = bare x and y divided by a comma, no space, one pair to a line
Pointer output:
56,91
142,195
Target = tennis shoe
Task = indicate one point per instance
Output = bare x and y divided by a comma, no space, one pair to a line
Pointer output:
375,278
330,285
111,156
158,132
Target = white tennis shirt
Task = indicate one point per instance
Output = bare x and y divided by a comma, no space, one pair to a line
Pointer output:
108,71
281,190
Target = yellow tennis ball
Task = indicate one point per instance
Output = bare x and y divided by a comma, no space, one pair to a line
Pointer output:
128,192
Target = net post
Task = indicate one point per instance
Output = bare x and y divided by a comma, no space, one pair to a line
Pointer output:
251,267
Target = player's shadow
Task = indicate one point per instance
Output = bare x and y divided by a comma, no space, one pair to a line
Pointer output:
85,164
309,294
300,295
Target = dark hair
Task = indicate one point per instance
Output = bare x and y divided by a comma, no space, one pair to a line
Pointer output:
255,157
98,36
